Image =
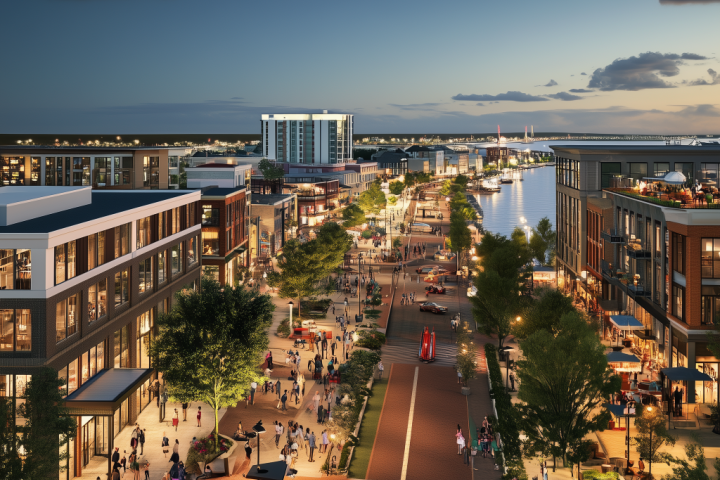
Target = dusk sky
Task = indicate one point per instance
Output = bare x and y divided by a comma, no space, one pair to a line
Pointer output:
173,66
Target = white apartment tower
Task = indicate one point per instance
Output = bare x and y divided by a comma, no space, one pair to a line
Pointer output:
313,138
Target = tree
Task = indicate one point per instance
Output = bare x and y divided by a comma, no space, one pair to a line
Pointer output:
466,357
563,380
445,189
544,313
458,201
392,200
373,199
270,171
461,180
353,215
651,419
333,242
364,153
10,461
211,343
460,236
694,467
47,426
411,179
396,187
542,241
495,304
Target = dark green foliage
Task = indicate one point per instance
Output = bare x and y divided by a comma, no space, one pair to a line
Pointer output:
270,171
353,215
544,313
10,462
47,426
396,187
373,199
542,241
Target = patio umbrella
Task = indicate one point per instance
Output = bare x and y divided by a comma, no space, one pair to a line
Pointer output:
671,178
619,357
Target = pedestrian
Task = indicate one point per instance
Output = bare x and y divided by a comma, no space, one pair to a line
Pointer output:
199,415
545,471
184,409
141,440
116,456
165,444
253,387
176,419
466,455
146,468
320,414
278,433
134,438
123,462
269,360
277,389
460,443
512,381
283,399
325,441
381,369
175,457
311,445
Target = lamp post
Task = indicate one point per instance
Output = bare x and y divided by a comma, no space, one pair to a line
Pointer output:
649,410
258,429
291,304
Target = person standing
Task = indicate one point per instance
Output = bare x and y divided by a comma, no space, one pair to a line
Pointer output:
544,471
278,433
283,399
311,445
184,410
381,369
460,443
175,419
320,414
277,389
175,457
146,468
165,444
253,387
199,415
141,440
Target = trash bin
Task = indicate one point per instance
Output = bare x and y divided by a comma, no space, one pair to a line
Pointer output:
358,318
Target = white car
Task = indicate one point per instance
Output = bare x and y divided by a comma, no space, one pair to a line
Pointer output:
472,291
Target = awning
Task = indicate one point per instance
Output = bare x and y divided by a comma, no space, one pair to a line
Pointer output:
619,410
619,357
609,305
268,471
684,373
626,322
235,252
103,393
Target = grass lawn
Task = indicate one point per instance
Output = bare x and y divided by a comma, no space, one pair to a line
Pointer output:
368,429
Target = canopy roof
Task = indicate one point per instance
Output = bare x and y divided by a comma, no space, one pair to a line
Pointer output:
104,392
684,373
619,410
268,471
626,322
619,357
673,178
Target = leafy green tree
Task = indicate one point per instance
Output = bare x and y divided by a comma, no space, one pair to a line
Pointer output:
466,357
211,343
333,242
563,380
542,241
694,467
445,189
364,153
270,171
468,213
410,179
544,313
496,304
10,461
518,236
396,187
353,215
651,419
373,199
461,180
458,201
392,200
47,426
460,235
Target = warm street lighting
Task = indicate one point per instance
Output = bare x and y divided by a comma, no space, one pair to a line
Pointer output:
258,429
518,319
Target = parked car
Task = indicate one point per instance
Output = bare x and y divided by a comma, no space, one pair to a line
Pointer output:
444,255
432,307
435,269
421,227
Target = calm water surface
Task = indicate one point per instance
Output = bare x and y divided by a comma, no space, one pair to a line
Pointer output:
532,198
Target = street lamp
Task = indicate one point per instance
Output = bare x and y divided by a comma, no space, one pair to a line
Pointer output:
332,444
649,410
291,304
258,429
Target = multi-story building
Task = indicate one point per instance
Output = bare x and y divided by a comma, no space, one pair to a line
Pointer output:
225,227
277,213
391,163
315,138
647,253
84,274
111,168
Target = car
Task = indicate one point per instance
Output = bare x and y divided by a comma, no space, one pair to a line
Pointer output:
432,307
444,256
420,227
435,269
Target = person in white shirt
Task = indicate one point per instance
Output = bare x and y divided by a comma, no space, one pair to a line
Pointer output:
381,369
278,433
253,387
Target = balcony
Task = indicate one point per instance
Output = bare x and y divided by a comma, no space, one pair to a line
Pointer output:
682,199
613,236
637,289
638,249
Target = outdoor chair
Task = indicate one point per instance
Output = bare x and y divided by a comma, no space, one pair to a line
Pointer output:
638,471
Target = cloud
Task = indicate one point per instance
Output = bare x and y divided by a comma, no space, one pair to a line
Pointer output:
714,79
641,72
510,96
583,73
564,96
480,104
581,90
551,83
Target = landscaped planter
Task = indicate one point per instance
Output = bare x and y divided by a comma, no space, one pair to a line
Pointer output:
465,391
225,463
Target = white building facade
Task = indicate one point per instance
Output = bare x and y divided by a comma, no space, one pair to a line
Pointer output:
314,138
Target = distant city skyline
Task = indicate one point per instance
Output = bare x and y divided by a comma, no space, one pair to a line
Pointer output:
645,67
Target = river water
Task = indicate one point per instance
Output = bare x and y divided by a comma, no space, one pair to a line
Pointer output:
532,198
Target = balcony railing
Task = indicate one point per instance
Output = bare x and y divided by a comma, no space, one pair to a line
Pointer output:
671,200
638,289
613,236
638,249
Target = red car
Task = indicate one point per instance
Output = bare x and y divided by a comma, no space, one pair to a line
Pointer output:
433,289
432,307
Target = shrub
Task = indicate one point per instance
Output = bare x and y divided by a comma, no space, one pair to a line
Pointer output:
283,330
366,234
203,450
371,339
595,475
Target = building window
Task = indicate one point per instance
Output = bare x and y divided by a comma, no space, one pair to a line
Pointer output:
143,232
192,253
228,241
15,269
210,216
176,253
121,288
122,240
144,333
121,343
65,262
161,225
16,332
96,250
162,267
66,317
146,275
710,308
608,171
660,169
678,253
97,301
175,227
151,172
101,173
678,302
211,243
213,271
638,171
710,258
49,171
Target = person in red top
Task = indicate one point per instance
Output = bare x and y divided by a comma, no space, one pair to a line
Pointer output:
199,414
